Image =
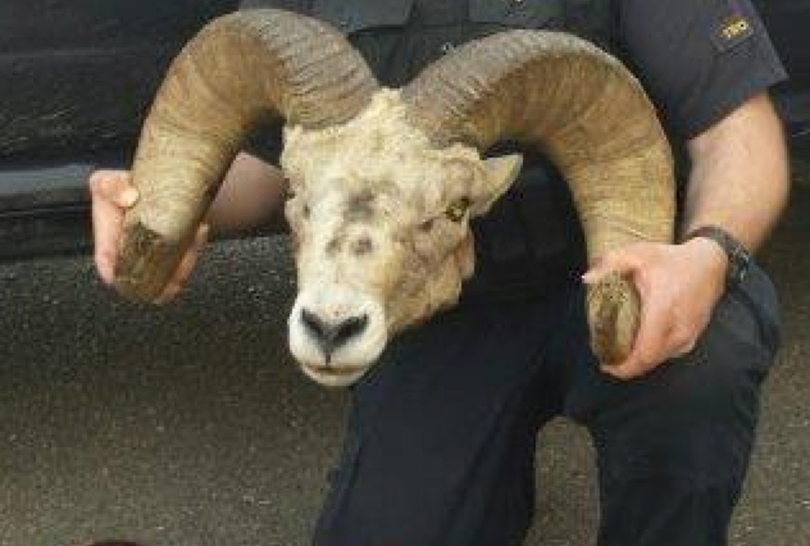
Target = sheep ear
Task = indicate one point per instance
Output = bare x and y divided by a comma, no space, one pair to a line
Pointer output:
500,173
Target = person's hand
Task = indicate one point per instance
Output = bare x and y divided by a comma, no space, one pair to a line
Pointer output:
679,286
112,194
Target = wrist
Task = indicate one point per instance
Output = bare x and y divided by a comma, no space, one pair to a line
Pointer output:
737,257
710,253
711,260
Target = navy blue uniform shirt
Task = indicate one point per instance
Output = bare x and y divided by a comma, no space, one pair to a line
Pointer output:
697,59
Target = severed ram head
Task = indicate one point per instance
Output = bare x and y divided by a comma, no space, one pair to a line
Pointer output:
383,182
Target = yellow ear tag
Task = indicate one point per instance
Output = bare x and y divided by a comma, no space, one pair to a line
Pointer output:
457,210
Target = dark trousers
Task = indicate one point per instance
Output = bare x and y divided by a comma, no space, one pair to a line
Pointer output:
440,449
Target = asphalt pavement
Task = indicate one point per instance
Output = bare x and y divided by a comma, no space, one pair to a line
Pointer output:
189,425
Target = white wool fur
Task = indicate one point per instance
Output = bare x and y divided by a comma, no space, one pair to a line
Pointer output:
379,144
372,232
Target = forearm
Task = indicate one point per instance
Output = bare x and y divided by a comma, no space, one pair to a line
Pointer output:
251,195
739,178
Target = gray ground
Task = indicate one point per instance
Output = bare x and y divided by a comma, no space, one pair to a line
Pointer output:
189,426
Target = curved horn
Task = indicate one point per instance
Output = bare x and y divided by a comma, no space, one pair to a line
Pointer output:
591,117
240,69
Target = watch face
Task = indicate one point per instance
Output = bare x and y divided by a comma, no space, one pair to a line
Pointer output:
739,262
736,272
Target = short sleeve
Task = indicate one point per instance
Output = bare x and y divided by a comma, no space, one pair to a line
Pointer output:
698,59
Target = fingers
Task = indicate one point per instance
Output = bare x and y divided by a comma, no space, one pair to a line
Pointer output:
633,263
655,324
112,193
660,337
625,261
643,360
115,187
652,341
186,266
685,347
678,288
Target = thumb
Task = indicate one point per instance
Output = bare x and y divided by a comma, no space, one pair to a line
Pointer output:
618,261
127,197
115,187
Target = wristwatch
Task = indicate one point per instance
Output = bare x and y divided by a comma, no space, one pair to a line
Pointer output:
739,259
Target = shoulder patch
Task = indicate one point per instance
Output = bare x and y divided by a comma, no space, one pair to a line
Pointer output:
731,31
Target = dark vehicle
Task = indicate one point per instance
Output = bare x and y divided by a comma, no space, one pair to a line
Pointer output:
76,78
786,20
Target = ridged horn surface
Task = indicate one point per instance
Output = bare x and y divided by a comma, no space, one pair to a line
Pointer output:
591,117
240,69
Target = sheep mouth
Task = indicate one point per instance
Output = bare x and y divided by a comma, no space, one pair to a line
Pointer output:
333,371
333,376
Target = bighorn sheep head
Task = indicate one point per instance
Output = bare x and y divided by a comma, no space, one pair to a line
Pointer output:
384,181
379,217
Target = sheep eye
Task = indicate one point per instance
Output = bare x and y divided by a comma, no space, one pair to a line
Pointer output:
458,209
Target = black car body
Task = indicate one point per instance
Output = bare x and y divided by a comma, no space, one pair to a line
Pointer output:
787,21
77,76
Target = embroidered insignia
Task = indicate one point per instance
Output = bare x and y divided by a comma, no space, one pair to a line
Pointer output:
732,31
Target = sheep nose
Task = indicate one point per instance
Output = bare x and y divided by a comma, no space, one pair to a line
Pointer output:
331,336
